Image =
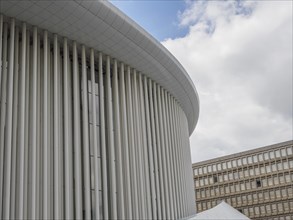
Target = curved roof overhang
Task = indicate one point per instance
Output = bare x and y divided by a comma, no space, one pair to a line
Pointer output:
100,25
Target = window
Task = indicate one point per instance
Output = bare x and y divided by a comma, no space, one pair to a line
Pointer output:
248,186
220,177
262,170
234,164
236,175
219,166
260,157
277,153
214,167
290,164
289,151
255,160
215,179
239,162
268,168
224,165
200,171
204,169
266,155
283,152
195,171
272,155
229,164
249,160
244,160
274,167
258,183
280,167
209,168
251,171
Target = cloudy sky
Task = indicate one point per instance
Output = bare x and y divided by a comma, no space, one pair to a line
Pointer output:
239,56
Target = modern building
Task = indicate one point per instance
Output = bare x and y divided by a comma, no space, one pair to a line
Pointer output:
95,116
257,182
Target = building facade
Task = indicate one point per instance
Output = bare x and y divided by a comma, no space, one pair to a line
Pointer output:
256,182
95,116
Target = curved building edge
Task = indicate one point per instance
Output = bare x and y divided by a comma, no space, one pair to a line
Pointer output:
100,25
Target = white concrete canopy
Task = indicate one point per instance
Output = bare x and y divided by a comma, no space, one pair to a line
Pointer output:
100,25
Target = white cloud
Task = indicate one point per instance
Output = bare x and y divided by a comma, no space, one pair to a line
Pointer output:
239,55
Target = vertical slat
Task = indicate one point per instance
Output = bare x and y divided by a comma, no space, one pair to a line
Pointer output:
174,153
125,146
77,137
103,139
132,157
137,148
57,213
145,148
156,145
21,134
8,134
179,161
67,150
45,128
1,63
149,146
95,138
38,131
113,191
3,115
27,125
118,144
14,160
167,153
85,129
171,153
34,125
160,150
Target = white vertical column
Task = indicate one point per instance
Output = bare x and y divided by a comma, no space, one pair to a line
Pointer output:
1,63
138,148
27,124
85,129
149,147
77,137
33,133
113,199
45,127
94,135
159,154
181,161
178,162
174,154
144,148
125,146
133,174
118,144
103,139
163,154
3,114
57,211
167,155
21,137
38,131
67,147
14,160
9,105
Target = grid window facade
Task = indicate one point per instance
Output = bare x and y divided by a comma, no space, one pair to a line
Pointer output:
256,182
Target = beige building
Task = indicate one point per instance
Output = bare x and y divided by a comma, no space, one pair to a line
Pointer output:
257,182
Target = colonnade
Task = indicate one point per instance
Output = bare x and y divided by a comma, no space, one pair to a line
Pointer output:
84,135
